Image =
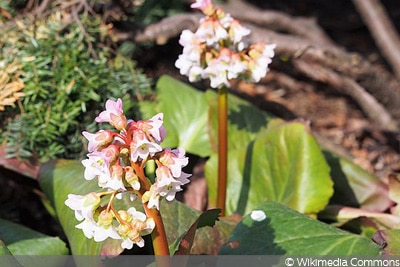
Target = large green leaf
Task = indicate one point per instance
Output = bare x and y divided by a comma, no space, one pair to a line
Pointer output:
185,115
284,231
184,243
21,240
245,121
58,179
355,187
6,258
178,218
283,163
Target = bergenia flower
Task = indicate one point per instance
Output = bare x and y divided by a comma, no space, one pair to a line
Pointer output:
142,148
205,55
204,5
83,206
117,160
138,226
96,166
167,185
113,114
174,159
98,140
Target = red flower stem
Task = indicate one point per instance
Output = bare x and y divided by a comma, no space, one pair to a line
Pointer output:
222,147
159,237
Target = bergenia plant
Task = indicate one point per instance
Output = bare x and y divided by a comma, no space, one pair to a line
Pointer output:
117,160
220,50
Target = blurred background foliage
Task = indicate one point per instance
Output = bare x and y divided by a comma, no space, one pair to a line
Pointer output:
65,65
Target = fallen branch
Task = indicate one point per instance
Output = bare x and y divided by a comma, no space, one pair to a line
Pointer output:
278,21
374,110
382,30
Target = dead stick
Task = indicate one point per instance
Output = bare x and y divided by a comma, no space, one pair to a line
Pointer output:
382,30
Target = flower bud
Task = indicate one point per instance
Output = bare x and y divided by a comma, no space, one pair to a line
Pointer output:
105,218
134,235
132,178
125,216
123,229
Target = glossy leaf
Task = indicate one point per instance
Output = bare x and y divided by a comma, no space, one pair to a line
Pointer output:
185,115
58,179
6,258
21,240
355,187
184,243
285,231
283,163
342,215
245,121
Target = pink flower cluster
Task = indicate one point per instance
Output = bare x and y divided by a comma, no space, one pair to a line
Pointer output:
220,51
117,161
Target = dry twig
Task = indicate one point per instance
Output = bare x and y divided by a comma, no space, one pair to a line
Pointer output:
382,30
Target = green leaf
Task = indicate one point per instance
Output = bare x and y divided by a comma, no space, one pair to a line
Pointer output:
58,179
355,187
245,121
287,232
283,163
183,244
21,240
178,218
185,116
6,258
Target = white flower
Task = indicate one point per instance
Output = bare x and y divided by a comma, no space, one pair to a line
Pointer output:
96,166
142,148
83,206
174,160
91,229
167,185
152,197
216,71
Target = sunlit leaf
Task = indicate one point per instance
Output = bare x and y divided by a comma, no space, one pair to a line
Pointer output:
284,231
283,163
58,179
185,116
355,187
184,243
21,240
342,215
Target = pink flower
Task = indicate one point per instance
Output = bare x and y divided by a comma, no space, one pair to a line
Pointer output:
204,5
141,147
211,32
96,166
167,185
174,160
237,32
113,114
153,128
98,140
